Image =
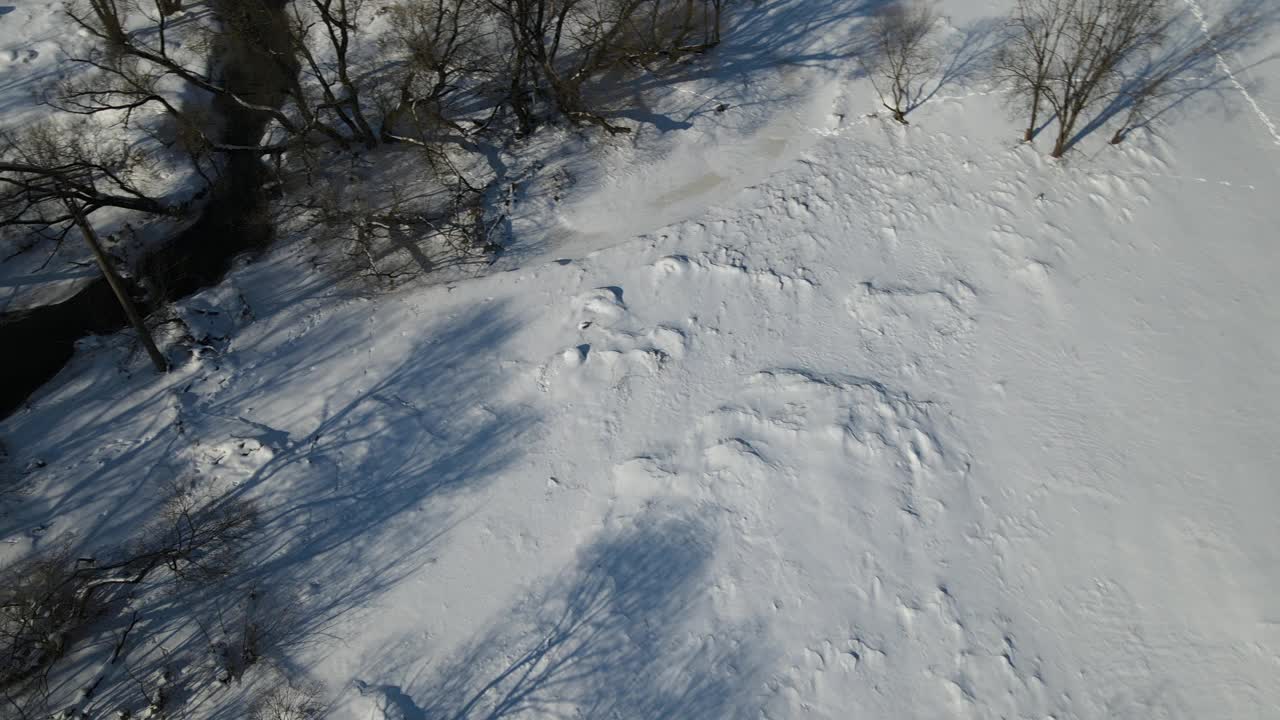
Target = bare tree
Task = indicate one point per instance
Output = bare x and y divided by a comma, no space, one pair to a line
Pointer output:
55,176
292,78
1025,61
50,164
671,29
337,22
118,288
902,53
289,701
439,46
53,599
555,47
711,14
1097,37
245,33
40,609
305,77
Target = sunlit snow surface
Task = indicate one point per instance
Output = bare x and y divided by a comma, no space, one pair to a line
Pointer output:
784,411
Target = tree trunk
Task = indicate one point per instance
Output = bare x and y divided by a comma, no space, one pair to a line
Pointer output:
1066,125
1030,134
519,102
1130,122
1060,140
117,286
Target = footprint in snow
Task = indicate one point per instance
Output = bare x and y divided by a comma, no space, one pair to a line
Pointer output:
600,306
890,310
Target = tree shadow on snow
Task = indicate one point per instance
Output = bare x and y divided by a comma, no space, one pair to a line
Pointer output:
758,38
749,80
344,512
1187,67
966,58
604,639
90,399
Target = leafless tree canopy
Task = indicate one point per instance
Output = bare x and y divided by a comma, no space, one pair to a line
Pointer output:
531,49
51,600
902,53
286,701
557,46
440,45
306,72
1036,27
1069,55
49,164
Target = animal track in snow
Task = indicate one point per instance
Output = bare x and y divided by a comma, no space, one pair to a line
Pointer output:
644,477
735,455
920,638
584,365
882,309
606,352
794,408
1272,127
799,202
23,56
1021,257
602,305
726,262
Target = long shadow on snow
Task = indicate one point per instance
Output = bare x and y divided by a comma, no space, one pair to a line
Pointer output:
1189,64
967,59
345,512
85,410
96,399
603,640
761,38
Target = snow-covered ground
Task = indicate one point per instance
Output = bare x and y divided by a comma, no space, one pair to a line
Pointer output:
777,412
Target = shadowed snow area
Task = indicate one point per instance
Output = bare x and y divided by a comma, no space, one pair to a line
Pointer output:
778,411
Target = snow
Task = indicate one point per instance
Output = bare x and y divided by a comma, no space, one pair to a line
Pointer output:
782,411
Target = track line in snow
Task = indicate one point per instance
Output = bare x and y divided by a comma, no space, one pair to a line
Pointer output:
1165,176
1222,63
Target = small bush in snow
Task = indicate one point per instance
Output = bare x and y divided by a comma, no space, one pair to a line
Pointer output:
50,600
43,601
289,701
194,536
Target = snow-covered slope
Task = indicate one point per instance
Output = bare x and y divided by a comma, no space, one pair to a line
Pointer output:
785,411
